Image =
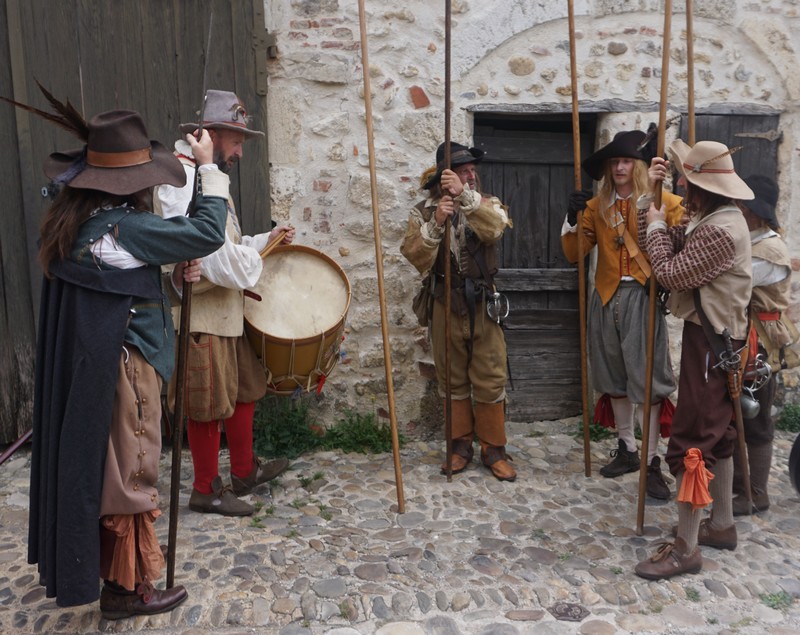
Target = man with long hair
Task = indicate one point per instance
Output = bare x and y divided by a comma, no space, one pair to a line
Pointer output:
617,326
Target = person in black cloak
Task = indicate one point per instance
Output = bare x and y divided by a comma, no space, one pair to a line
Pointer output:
105,345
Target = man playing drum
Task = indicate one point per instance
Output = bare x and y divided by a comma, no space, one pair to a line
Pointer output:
225,376
478,347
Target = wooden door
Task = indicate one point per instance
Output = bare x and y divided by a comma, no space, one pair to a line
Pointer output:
529,166
758,136
145,55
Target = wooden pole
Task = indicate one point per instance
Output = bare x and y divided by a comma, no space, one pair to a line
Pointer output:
181,365
376,223
576,150
651,313
448,303
690,69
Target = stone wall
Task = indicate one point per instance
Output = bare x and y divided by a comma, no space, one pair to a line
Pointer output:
510,56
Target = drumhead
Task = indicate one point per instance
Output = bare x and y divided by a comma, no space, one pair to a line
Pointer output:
303,294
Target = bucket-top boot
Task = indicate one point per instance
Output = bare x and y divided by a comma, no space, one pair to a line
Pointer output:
490,426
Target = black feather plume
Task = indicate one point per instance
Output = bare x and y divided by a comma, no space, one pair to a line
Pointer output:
66,115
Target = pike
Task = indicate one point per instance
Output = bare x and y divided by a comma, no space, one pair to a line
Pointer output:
183,353
448,411
373,181
576,144
651,309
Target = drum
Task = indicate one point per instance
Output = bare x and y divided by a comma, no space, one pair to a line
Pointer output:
297,327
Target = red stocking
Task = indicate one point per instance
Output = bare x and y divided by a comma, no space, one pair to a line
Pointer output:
204,442
239,433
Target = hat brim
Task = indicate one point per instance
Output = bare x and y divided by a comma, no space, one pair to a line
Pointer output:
188,128
164,168
477,157
594,164
730,185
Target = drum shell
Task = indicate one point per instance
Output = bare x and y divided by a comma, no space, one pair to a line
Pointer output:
298,362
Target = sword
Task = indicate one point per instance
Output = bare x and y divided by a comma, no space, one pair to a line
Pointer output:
182,362
731,362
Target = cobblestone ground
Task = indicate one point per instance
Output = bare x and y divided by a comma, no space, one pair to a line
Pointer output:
328,553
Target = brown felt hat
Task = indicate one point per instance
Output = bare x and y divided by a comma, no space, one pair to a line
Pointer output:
223,111
119,158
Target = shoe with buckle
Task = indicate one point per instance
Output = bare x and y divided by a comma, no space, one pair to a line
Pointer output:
117,602
622,463
716,538
656,485
221,501
670,559
260,474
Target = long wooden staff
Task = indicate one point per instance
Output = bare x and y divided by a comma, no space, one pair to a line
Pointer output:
448,412
690,70
576,152
376,224
651,313
182,364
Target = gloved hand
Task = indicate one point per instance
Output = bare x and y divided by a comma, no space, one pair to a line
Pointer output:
577,202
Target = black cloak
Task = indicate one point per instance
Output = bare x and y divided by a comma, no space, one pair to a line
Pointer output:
82,323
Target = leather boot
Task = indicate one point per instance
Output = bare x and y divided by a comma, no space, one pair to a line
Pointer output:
490,426
622,462
117,602
462,455
463,425
495,458
670,560
760,461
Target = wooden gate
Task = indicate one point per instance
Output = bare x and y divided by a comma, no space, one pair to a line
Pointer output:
529,166
758,136
145,55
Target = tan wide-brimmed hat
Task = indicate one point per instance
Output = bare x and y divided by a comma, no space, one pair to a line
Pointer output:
119,158
709,166
225,111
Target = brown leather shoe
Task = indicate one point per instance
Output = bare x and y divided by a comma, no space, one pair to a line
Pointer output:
670,560
716,538
496,459
261,473
117,602
221,501
462,455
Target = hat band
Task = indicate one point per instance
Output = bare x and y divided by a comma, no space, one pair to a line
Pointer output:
699,168
206,124
118,159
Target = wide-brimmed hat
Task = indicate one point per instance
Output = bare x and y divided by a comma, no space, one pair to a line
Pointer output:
763,205
709,165
625,144
225,111
459,155
119,158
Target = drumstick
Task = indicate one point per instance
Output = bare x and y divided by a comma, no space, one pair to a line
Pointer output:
274,243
